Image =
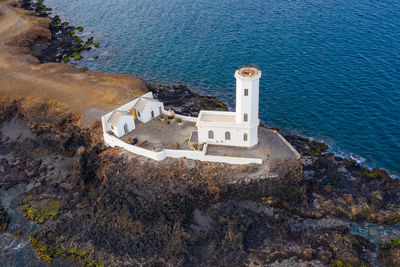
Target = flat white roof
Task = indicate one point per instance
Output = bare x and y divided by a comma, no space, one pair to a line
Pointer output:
216,116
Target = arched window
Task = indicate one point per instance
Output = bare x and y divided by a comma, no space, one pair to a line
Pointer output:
227,136
152,114
246,92
245,137
245,117
159,109
210,135
138,113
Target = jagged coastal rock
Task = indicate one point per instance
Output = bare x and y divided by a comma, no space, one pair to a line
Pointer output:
4,219
100,206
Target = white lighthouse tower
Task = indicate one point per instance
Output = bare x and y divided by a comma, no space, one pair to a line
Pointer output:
238,128
247,100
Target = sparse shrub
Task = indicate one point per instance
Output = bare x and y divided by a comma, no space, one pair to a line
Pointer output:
130,139
376,173
179,120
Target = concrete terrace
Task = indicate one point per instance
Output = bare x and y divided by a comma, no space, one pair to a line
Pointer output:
158,134
212,116
271,147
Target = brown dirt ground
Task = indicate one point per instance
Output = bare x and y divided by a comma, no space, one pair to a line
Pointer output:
22,75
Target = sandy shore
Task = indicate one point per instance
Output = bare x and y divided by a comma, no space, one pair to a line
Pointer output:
22,75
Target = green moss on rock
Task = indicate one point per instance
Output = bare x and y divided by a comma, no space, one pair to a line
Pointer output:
391,243
77,56
339,263
48,254
43,213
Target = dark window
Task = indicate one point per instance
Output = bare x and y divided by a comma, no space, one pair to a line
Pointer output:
210,135
160,109
245,117
227,136
126,128
152,114
246,92
138,113
245,137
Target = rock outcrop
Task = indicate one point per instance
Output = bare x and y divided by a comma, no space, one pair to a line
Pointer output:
184,101
4,219
129,211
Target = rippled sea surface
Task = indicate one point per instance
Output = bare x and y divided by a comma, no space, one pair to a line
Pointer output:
331,68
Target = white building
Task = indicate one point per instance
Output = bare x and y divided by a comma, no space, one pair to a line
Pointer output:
147,108
121,122
238,128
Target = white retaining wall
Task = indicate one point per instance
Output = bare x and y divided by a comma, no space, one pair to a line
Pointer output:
172,153
183,117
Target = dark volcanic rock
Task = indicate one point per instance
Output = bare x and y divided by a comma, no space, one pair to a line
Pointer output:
184,101
4,219
342,188
62,43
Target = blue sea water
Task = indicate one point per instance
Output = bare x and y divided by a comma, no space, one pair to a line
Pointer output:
331,68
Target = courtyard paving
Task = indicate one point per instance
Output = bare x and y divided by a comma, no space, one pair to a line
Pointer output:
270,148
158,134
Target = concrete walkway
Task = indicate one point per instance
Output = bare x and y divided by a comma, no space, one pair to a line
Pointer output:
271,147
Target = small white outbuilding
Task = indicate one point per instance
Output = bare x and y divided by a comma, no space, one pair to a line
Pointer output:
147,108
121,122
